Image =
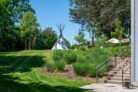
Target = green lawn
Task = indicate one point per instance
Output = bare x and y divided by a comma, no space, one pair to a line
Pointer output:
21,72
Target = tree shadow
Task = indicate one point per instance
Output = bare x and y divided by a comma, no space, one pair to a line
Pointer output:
20,63
9,85
12,64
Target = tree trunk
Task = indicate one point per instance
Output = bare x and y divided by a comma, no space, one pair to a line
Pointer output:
29,44
25,44
92,36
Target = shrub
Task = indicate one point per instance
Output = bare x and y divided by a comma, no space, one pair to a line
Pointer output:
60,66
50,66
83,69
58,55
74,46
70,57
86,66
81,60
82,48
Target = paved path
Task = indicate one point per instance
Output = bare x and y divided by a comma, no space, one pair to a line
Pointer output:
108,88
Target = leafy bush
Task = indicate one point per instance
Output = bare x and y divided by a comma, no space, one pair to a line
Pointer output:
44,41
81,69
82,48
81,60
86,66
67,42
50,66
70,57
60,66
58,55
75,46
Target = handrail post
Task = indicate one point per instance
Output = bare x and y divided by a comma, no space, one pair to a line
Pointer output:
127,51
123,55
106,67
122,76
115,61
97,74
130,69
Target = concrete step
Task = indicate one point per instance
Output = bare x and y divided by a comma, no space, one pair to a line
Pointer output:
113,81
124,69
119,72
120,75
118,78
115,75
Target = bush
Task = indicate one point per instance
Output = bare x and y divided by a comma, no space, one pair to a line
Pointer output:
44,41
82,48
70,57
50,66
58,55
81,60
74,46
84,69
60,66
86,66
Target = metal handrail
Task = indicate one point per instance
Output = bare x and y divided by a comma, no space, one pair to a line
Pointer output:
107,63
124,71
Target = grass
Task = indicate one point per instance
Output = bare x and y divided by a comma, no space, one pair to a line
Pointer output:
58,55
50,66
60,66
70,57
22,72
86,66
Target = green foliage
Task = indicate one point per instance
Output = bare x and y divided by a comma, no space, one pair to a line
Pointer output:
49,31
90,13
29,28
67,42
82,48
82,69
70,57
75,46
86,66
32,79
80,37
60,66
108,44
58,55
45,40
50,66
119,31
102,41
11,12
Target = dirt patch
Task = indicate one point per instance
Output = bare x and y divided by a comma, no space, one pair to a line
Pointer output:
69,74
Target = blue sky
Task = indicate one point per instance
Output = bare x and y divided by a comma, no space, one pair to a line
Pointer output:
50,13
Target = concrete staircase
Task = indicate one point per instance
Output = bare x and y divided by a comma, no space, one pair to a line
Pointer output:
115,75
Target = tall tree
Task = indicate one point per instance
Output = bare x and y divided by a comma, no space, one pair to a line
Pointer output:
119,31
112,10
29,28
49,31
85,12
100,14
80,37
10,13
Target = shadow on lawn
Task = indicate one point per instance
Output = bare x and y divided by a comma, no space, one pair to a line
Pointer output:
20,63
11,64
9,85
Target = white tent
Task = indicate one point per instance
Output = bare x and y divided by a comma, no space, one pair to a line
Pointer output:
113,40
60,44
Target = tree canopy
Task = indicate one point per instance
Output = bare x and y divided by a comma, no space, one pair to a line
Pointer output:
100,15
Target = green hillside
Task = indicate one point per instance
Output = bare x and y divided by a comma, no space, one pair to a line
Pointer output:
21,72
